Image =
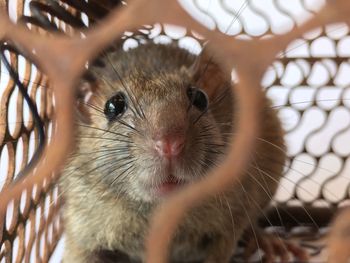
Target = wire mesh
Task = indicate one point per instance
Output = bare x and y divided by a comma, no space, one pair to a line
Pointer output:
308,82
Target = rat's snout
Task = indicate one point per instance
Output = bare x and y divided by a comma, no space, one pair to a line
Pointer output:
169,146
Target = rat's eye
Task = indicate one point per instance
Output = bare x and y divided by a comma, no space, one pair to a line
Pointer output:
198,98
115,106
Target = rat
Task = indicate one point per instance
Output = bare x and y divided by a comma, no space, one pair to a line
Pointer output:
160,118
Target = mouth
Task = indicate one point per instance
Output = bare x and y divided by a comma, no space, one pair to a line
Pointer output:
169,185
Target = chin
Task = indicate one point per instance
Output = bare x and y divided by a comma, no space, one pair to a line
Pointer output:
143,194
156,194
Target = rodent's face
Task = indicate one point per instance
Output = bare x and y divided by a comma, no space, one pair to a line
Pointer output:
151,134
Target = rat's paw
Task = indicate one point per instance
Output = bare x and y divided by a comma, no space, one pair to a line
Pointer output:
275,248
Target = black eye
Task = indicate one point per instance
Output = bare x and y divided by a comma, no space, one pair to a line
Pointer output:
198,98
115,106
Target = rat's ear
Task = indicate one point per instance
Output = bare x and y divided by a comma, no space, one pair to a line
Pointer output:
208,75
84,93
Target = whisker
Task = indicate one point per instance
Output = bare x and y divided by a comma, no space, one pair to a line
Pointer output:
103,156
247,215
103,130
105,139
231,215
270,195
131,96
277,181
131,107
94,107
261,211
129,126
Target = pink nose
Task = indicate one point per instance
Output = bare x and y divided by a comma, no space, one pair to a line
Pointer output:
169,146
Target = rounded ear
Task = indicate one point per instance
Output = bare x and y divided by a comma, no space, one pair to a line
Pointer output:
84,94
208,75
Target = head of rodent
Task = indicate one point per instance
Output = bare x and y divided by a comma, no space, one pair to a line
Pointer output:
159,119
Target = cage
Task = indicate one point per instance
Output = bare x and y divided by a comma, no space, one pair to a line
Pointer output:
307,81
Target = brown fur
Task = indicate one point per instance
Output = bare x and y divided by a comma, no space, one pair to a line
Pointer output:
105,213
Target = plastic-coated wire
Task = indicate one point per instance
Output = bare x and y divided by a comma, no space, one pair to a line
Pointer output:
39,18
39,11
34,110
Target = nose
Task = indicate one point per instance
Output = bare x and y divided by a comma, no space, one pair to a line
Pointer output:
169,146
